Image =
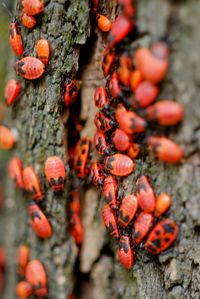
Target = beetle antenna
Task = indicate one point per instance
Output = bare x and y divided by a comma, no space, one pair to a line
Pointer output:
6,7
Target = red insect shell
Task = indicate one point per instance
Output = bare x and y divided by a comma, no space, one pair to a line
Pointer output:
75,205
23,253
43,50
23,289
133,150
114,87
100,144
120,140
7,140
128,7
145,195
109,221
141,227
165,149
163,203
135,79
108,60
162,236
103,123
110,191
30,68
166,113
129,121
15,170
104,23
31,183
2,257
27,21
145,94
71,91
12,90
36,276
124,70
55,173
96,174
15,38
152,68
119,30
125,253
127,210
33,7
76,228
81,157
119,165
101,99
39,222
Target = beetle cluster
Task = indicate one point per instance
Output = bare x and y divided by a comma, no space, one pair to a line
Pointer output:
32,275
126,111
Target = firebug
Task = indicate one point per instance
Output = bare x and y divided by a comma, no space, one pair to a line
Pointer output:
55,173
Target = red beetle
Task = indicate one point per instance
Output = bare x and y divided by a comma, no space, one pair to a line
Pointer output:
43,50
120,140
145,195
109,221
71,91
165,149
33,7
30,68
55,173
145,94
129,121
100,144
108,60
23,253
103,22
96,3
74,204
163,203
141,227
31,183
127,210
135,79
125,67
114,88
119,30
166,113
7,139
162,236
24,290
133,150
101,99
128,7
76,228
81,157
110,191
15,170
125,253
27,21
39,222
36,276
12,90
153,69
15,38
96,174
120,165
103,123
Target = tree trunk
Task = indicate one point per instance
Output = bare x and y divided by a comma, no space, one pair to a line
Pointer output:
42,126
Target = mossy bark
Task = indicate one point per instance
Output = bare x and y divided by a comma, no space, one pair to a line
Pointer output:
38,116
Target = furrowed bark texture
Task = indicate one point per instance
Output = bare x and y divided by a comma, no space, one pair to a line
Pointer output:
37,116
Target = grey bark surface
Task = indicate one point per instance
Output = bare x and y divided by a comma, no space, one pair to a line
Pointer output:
38,117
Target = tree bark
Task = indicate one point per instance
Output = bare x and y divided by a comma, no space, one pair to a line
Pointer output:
38,117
